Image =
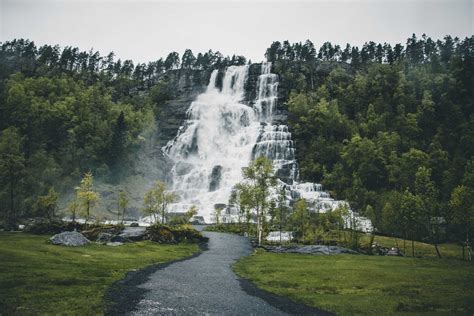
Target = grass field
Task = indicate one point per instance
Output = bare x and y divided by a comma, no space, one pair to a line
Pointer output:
365,285
447,250
39,278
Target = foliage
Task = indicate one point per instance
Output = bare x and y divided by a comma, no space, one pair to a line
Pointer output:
47,204
301,219
39,278
255,191
93,232
364,285
86,195
174,234
366,120
12,167
122,204
43,226
156,202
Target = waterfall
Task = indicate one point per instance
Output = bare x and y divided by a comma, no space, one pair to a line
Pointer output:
223,133
214,144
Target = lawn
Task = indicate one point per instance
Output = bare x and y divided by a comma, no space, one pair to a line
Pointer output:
365,285
447,250
39,278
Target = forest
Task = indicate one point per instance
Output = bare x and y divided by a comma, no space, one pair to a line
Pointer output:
389,129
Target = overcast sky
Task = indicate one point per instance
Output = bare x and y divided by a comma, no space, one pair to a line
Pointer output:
146,30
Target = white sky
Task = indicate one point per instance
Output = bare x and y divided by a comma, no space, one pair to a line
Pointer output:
148,29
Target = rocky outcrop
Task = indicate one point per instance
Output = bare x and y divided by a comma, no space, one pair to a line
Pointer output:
184,86
73,239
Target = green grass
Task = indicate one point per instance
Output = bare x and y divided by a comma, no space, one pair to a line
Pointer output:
39,278
447,250
365,285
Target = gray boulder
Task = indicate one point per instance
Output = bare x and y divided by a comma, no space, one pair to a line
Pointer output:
133,233
73,239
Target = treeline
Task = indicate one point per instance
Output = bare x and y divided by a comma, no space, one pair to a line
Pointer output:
389,129
416,51
23,56
64,112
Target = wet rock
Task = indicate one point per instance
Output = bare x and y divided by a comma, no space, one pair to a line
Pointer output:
215,178
73,239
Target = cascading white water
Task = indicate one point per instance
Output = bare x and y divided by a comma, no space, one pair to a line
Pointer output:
214,144
220,137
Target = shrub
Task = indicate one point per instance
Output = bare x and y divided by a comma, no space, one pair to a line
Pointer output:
94,230
42,226
174,234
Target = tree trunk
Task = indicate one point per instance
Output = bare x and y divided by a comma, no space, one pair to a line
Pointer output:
87,212
468,244
12,205
437,250
413,248
258,229
372,237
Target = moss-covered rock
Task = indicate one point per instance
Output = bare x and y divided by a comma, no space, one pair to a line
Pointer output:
174,234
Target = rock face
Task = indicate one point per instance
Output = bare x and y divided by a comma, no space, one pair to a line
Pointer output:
133,233
73,239
310,249
216,175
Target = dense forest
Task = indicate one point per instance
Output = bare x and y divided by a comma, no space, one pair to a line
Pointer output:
390,129
64,112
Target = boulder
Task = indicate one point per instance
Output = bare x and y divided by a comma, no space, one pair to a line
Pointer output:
73,239
114,244
104,237
94,232
120,239
133,233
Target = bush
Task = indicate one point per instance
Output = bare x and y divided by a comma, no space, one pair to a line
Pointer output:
174,234
233,228
42,226
94,230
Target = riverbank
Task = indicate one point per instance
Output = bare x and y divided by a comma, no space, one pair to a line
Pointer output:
37,277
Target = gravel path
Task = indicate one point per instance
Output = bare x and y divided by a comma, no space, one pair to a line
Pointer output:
205,285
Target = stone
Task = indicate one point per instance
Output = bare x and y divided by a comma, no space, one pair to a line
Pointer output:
104,237
215,178
134,224
133,233
394,252
73,239
119,238
114,244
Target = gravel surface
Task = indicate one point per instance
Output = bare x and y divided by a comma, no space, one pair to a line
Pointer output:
203,285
